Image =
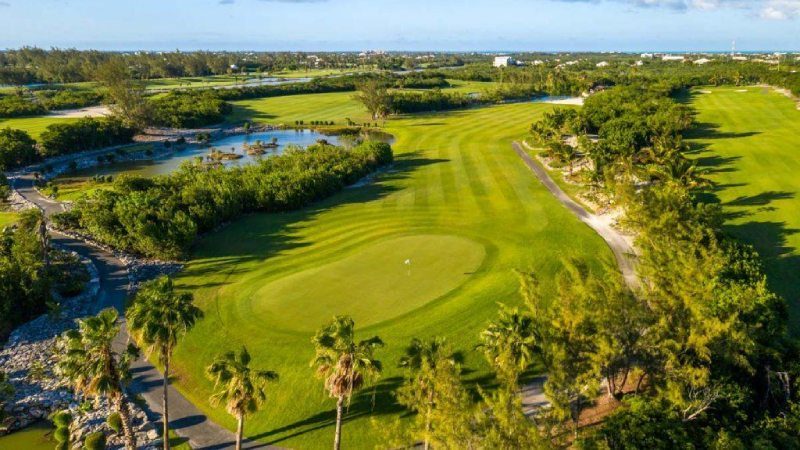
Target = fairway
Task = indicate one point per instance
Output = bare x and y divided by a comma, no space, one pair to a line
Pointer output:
458,202
33,125
749,141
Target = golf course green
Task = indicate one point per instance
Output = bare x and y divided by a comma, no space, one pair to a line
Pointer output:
458,204
748,139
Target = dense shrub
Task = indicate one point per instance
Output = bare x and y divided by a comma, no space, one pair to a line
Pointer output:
68,98
84,134
17,105
17,149
435,100
23,290
161,217
5,187
315,86
189,109
95,441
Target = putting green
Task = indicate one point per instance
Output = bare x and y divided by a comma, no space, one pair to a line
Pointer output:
379,282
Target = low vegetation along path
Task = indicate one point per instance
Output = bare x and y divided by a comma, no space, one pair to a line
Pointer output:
623,252
185,418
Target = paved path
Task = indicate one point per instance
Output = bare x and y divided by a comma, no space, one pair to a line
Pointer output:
533,396
622,250
185,419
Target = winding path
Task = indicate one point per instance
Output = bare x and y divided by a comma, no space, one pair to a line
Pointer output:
533,396
623,252
185,419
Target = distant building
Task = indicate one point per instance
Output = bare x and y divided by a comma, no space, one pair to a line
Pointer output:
646,56
672,58
234,67
639,63
503,61
740,58
702,61
602,64
539,62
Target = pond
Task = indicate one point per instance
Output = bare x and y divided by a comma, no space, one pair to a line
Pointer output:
231,144
34,437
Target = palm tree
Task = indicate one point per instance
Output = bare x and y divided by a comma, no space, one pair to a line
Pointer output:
87,359
509,344
422,360
344,364
157,318
241,388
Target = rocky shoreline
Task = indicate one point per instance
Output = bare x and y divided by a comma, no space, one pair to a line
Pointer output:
28,359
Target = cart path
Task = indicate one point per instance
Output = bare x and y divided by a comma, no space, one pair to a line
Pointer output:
623,252
185,419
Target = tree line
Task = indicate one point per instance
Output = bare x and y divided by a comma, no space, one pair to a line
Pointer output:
161,217
25,102
701,355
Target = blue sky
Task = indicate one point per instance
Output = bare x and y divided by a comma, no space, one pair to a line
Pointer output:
485,25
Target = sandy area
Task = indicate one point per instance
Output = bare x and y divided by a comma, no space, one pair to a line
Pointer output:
91,111
578,101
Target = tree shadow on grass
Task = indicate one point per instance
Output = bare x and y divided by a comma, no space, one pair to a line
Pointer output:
769,238
781,263
260,236
377,400
707,130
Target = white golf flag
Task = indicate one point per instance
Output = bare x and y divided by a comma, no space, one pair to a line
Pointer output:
408,262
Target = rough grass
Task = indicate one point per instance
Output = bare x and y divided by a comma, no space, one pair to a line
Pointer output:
457,187
749,142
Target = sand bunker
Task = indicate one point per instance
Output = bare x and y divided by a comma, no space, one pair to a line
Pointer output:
91,111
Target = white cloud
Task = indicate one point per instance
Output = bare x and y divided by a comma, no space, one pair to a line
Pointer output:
766,9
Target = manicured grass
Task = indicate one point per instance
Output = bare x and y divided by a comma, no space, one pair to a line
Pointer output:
33,125
750,143
7,218
386,283
286,110
458,202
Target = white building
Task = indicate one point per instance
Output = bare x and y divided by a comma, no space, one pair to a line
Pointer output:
672,58
646,56
602,64
503,61
539,62
702,61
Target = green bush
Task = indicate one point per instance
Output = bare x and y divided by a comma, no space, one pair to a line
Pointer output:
17,149
115,422
62,419
61,434
189,109
16,106
95,441
84,134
